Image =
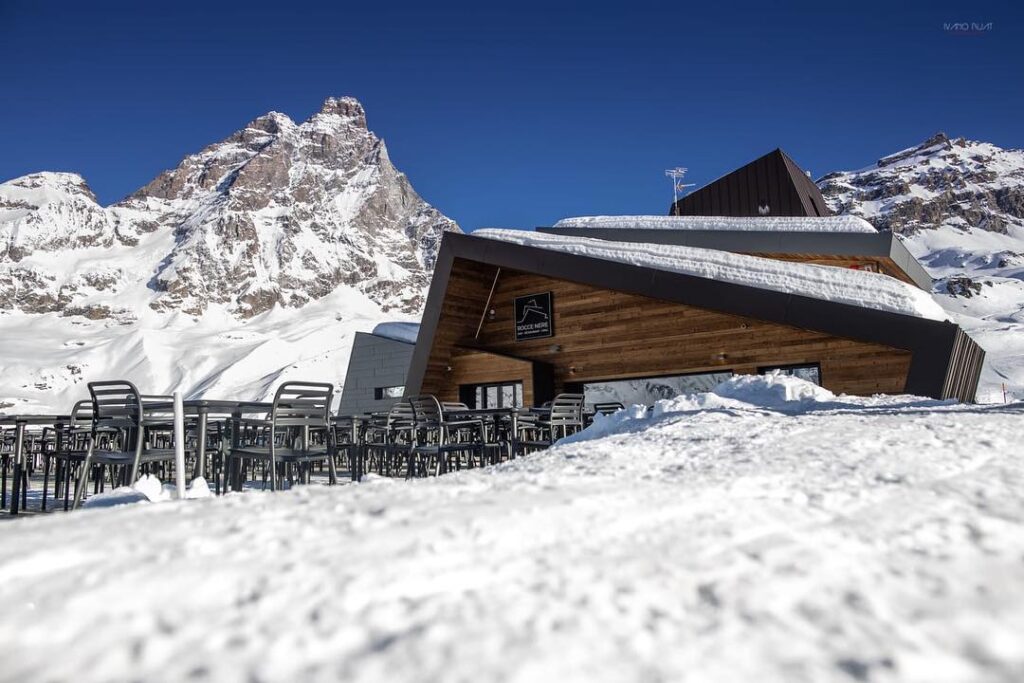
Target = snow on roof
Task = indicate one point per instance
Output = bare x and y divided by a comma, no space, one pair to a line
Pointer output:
828,283
399,331
722,223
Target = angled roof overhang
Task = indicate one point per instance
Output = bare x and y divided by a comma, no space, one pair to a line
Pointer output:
939,348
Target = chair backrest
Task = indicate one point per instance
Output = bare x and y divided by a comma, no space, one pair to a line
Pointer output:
302,404
453,405
426,409
608,408
81,415
401,414
115,403
567,408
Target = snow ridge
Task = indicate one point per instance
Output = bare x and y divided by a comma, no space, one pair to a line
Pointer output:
840,285
722,223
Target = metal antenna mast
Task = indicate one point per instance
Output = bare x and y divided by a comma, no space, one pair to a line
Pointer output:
676,174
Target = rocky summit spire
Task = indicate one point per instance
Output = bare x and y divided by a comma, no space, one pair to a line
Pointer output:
346,108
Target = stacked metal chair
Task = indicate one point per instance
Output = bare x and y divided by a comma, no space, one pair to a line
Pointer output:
66,461
542,431
295,435
439,442
139,436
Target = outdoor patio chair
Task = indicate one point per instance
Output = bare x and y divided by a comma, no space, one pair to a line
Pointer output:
389,439
6,450
542,431
140,435
66,460
436,440
295,435
608,408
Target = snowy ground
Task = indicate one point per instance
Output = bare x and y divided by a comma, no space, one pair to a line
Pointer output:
741,538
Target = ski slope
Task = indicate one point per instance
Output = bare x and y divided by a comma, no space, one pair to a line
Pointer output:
767,531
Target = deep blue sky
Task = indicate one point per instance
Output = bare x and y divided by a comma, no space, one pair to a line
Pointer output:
510,114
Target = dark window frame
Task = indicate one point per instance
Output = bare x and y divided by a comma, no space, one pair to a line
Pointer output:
765,369
576,387
379,395
467,390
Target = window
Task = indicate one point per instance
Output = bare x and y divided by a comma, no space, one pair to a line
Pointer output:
810,372
381,393
648,390
500,395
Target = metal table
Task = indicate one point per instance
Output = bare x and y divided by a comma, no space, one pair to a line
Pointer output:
202,408
496,414
355,459
19,422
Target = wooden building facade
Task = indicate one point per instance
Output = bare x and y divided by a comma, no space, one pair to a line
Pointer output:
611,322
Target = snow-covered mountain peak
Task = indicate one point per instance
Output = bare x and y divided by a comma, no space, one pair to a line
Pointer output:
48,211
345,110
943,181
278,215
41,187
272,122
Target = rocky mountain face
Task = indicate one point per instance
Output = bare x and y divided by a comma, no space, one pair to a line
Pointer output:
941,182
959,205
278,214
254,261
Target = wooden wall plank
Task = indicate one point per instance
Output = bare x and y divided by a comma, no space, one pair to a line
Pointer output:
601,334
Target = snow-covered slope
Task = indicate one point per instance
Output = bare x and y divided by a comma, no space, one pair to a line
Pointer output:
960,206
779,534
281,227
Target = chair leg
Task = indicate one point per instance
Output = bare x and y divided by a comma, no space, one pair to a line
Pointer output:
84,476
332,471
46,479
67,484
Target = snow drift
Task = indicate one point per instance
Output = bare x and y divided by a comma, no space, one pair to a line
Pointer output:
853,539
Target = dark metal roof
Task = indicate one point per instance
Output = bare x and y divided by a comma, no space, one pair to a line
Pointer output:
773,182
933,371
877,244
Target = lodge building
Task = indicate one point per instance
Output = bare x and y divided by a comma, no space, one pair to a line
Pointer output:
639,308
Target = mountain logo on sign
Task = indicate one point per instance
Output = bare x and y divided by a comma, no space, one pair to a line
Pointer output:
533,308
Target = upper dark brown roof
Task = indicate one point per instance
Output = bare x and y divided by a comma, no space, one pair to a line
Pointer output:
770,186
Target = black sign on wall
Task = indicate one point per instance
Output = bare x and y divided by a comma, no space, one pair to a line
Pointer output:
534,317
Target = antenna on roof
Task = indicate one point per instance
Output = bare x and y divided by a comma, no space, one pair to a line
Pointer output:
676,174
